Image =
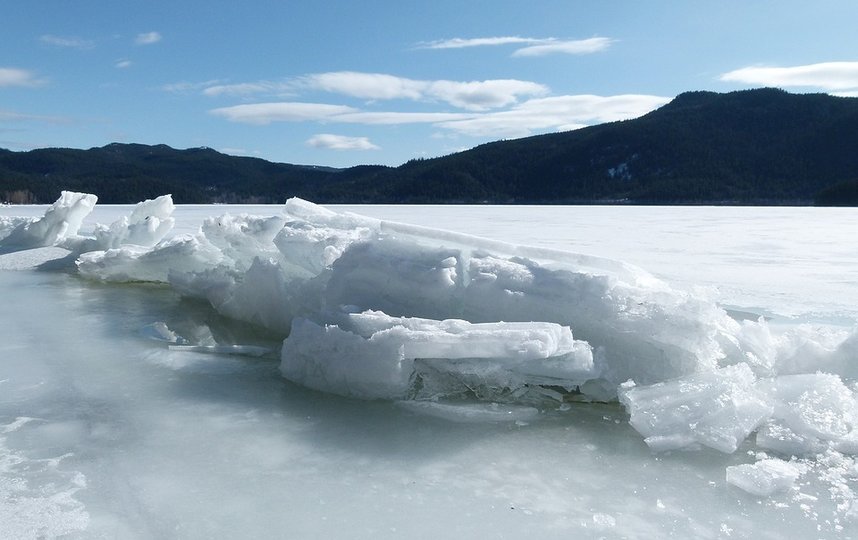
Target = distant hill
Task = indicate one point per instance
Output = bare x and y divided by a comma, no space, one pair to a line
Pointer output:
761,146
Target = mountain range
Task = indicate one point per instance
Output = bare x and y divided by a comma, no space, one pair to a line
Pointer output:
763,146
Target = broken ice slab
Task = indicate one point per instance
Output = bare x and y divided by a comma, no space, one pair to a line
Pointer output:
372,355
718,409
765,477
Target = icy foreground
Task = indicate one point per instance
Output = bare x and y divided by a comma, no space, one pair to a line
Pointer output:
380,310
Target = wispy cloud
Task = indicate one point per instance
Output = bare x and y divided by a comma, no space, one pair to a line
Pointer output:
147,38
826,75
245,89
534,46
582,46
536,115
186,87
558,113
366,85
340,142
18,77
122,64
483,95
11,116
461,43
470,95
67,42
397,117
265,113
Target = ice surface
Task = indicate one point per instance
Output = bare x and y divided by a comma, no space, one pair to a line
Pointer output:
478,413
42,504
490,434
382,310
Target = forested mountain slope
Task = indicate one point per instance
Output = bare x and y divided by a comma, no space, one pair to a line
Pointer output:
761,146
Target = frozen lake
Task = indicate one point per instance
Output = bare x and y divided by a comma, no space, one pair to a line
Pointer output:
107,434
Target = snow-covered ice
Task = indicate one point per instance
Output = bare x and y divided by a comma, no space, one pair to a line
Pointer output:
463,330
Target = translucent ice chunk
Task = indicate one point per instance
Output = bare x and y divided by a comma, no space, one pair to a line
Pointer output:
764,477
61,221
811,411
376,356
135,263
148,224
718,409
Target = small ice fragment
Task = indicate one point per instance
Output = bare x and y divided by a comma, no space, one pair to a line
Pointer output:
159,331
60,222
148,224
764,477
811,412
716,409
604,521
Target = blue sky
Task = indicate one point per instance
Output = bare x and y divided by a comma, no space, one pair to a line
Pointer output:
342,83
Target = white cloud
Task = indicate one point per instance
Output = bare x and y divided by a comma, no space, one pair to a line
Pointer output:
122,64
483,95
11,116
461,43
582,46
395,118
366,85
17,77
147,38
243,89
340,142
535,46
265,113
555,113
474,95
186,87
469,95
68,42
826,75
